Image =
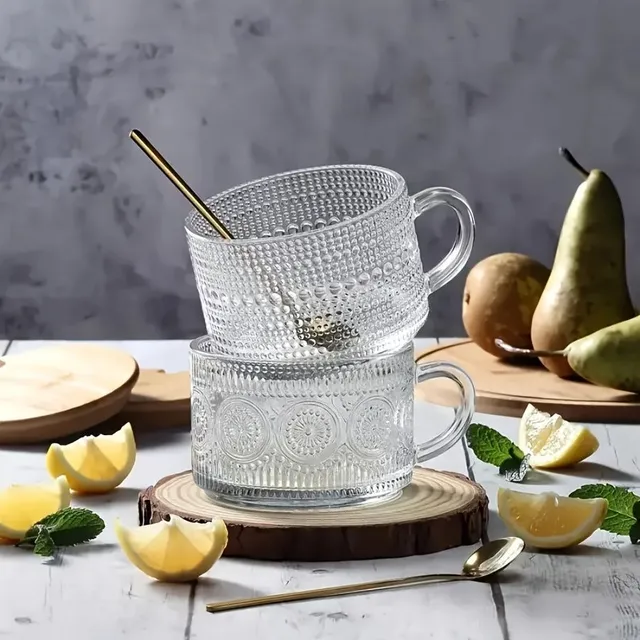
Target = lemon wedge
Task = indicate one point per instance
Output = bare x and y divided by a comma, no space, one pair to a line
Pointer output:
549,521
552,441
22,505
173,550
94,464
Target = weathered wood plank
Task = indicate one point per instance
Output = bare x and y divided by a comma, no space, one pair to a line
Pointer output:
104,596
109,598
408,613
591,591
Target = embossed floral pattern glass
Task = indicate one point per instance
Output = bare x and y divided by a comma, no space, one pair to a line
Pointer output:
324,260
311,434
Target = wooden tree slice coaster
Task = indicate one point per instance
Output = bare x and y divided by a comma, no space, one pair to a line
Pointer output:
439,510
159,400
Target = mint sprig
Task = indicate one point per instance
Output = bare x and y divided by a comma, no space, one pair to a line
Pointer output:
623,510
65,528
515,468
492,447
43,544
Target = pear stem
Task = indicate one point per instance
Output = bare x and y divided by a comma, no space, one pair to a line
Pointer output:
569,157
532,353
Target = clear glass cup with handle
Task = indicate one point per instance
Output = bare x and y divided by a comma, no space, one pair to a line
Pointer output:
303,433
324,261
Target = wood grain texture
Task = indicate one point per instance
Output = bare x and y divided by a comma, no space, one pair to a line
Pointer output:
93,587
590,591
159,400
505,388
152,356
438,511
411,614
60,390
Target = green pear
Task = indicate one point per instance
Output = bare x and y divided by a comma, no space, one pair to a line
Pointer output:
609,357
587,289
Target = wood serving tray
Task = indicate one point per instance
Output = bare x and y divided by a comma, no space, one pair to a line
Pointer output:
506,387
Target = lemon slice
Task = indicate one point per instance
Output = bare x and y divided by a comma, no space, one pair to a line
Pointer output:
22,505
173,550
552,441
94,464
549,521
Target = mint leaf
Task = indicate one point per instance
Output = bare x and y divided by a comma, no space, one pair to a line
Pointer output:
65,528
44,545
509,465
490,446
72,526
620,516
514,469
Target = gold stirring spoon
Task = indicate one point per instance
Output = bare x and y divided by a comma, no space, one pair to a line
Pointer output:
157,158
321,332
489,559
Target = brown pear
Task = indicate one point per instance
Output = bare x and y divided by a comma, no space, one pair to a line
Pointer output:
587,289
501,294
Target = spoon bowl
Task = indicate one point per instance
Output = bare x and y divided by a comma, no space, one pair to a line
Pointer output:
489,559
492,557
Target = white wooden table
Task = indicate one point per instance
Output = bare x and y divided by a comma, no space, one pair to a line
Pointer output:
93,592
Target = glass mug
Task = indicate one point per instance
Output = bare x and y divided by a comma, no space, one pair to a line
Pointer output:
312,434
324,260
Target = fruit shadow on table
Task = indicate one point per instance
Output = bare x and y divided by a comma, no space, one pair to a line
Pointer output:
210,589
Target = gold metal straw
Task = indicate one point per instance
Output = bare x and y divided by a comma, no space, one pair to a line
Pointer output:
156,157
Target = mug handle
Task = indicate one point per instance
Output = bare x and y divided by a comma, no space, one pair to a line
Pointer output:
463,414
459,253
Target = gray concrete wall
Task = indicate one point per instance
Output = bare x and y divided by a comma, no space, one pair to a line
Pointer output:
473,95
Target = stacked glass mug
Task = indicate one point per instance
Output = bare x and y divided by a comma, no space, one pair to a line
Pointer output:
302,390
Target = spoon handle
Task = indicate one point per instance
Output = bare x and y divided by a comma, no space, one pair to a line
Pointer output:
330,592
158,159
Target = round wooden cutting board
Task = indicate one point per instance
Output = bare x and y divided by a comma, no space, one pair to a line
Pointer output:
506,387
61,390
159,400
437,511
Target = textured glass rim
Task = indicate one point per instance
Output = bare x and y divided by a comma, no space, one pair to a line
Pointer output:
216,238
333,362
